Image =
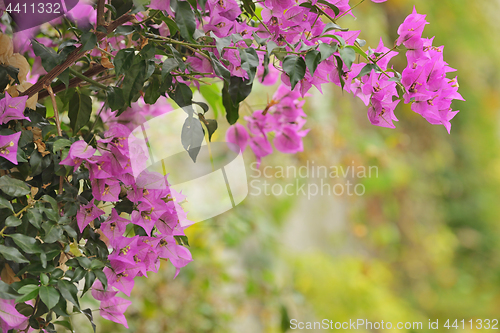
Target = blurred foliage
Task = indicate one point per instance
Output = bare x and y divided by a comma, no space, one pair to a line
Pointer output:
421,243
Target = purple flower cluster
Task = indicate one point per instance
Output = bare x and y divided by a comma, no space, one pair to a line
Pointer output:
154,209
283,116
427,87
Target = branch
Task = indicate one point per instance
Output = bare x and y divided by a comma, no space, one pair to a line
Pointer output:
100,13
73,82
74,56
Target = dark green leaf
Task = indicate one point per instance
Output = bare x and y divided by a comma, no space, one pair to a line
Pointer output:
123,60
69,291
184,17
12,221
249,62
348,55
34,217
168,65
327,50
26,243
367,69
28,292
49,57
333,7
183,96
219,69
313,58
4,203
295,67
13,187
115,98
89,41
53,232
80,109
49,296
212,127
60,144
134,80
13,254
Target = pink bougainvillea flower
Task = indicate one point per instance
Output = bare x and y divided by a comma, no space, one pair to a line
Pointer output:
412,27
10,318
78,152
87,214
289,140
101,294
9,145
114,308
12,108
237,135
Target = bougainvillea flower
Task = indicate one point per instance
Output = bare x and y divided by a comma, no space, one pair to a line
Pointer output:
412,27
289,140
78,152
12,108
114,308
237,135
9,145
101,294
87,214
10,318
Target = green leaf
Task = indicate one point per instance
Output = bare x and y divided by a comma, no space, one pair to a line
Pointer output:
367,69
49,296
134,80
26,243
249,62
12,254
51,201
184,17
211,127
115,98
28,292
153,91
102,277
271,45
12,221
13,187
34,217
219,69
295,67
232,109
168,65
327,50
338,38
65,324
53,232
313,58
80,109
4,203
348,55
221,43
89,41
49,57
123,60
333,7
192,136
183,96
69,291
358,51
60,144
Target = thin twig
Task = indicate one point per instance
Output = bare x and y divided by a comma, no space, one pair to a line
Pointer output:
58,125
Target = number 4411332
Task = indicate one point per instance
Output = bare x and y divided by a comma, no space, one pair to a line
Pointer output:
473,324
40,8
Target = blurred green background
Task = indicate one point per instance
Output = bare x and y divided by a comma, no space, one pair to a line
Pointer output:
422,242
